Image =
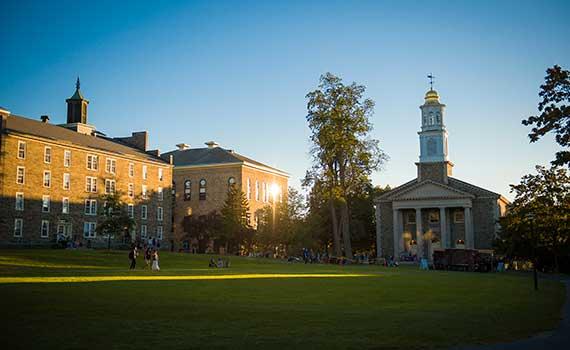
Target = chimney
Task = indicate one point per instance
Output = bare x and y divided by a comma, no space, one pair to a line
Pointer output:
212,144
45,119
183,146
137,139
171,159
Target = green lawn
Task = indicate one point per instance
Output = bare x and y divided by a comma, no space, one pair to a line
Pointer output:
373,307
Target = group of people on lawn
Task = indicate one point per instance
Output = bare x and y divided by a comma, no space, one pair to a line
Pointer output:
150,256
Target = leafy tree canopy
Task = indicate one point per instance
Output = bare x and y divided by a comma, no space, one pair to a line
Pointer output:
554,112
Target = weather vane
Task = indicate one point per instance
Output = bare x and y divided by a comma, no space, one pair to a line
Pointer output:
430,77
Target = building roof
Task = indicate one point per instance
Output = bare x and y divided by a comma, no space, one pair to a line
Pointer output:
461,187
212,156
58,133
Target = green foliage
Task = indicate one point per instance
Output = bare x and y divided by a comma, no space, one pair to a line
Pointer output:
203,228
116,220
236,229
280,225
343,153
539,217
555,112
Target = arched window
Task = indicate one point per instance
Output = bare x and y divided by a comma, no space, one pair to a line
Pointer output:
187,190
202,192
431,118
438,118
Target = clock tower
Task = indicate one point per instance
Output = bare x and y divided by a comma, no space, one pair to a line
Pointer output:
434,162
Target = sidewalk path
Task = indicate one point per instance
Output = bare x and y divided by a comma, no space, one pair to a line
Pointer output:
557,339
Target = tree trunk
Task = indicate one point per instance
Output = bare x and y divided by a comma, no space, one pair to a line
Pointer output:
336,233
109,242
346,230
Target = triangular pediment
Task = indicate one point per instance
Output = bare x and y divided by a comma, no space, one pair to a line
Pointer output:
430,190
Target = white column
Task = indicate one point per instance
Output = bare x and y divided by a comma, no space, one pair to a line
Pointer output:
397,234
443,228
469,239
378,232
419,233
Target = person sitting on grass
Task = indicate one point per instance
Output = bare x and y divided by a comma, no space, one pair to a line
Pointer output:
212,263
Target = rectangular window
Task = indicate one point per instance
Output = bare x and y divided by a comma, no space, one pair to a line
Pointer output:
459,217
66,181
20,175
67,158
144,172
143,212
160,174
159,214
143,231
18,227
19,201
65,205
144,194
248,189
111,166
131,169
264,195
257,191
45,229
89,229
160,194
109,186
47,154
92,162
90,207
90,184
159,232
45,204
131,190
131,210
47,178
21,150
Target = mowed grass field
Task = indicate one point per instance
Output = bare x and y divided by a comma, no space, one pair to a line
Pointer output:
56,299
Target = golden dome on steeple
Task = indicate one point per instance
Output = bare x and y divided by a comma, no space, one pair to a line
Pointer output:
432,96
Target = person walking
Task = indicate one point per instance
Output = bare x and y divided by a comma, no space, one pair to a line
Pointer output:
155,266
133,258
148,257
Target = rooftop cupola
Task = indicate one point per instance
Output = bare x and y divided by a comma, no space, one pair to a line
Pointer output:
77,106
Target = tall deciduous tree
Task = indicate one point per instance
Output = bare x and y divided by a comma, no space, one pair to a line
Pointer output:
539,217
554,112
235,220
116,218
343,153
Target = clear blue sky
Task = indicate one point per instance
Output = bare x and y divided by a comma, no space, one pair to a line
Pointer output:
237,72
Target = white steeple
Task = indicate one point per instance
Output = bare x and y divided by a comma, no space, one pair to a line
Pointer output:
433,136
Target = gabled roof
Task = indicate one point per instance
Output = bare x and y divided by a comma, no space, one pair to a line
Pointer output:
429,189
213,156
467,187
58,133
396,190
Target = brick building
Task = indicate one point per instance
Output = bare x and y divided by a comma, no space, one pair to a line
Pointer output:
202,177
52,178
435,210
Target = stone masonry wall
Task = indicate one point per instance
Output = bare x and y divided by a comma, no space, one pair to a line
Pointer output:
33,190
